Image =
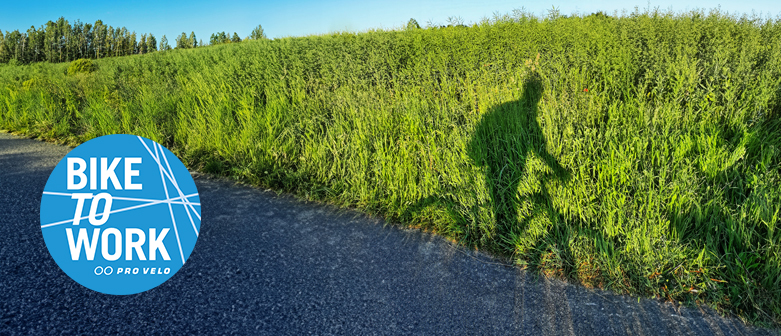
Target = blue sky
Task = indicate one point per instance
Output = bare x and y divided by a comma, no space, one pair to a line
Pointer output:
304,17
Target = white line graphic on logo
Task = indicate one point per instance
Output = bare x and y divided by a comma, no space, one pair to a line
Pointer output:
149,203
170,210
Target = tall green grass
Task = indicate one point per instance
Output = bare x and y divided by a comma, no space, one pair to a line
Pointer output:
639,153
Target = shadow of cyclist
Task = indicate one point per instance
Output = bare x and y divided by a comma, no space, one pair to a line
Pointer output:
505,139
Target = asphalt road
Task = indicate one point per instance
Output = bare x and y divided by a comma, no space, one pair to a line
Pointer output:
269,264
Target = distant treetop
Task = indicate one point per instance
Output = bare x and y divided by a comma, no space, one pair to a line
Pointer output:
258,34
412,24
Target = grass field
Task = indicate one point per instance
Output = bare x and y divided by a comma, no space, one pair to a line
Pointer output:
640,153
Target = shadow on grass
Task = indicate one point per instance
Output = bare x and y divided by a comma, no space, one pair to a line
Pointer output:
506,140
738,228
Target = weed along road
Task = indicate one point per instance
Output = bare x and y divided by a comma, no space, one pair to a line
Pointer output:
269,264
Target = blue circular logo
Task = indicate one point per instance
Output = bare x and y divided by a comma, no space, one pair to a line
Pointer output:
120,214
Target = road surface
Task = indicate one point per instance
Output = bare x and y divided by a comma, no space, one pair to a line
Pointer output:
273,265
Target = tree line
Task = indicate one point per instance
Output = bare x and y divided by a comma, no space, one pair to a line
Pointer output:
60,41
222,37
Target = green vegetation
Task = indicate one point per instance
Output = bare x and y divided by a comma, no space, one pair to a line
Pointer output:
61,41
640,153
222,37
81,66
257,34
412,24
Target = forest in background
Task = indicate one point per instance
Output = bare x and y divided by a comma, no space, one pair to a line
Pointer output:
60,41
